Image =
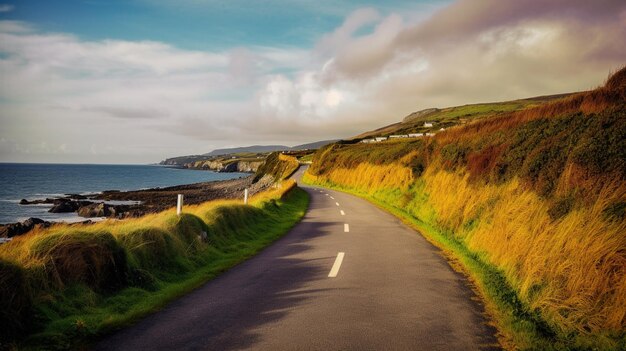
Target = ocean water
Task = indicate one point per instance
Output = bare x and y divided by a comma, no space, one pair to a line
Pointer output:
38,181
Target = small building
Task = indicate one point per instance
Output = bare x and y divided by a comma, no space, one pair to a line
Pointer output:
368,141
430,134
416,135
442,129
377,139
428,124
398,136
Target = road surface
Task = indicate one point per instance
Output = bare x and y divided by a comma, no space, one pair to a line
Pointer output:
348,277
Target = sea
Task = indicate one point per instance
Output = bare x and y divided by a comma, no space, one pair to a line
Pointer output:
39,181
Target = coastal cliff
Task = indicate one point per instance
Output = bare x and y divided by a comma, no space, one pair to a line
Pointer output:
226,165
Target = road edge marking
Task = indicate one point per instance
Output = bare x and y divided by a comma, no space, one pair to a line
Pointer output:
346,227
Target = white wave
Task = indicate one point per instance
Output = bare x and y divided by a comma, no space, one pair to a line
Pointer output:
12,201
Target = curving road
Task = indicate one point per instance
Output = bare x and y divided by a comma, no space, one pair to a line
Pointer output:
348,277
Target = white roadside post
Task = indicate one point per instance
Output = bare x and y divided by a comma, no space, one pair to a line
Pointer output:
245,196
179,204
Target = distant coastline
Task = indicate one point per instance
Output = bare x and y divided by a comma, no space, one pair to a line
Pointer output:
39,181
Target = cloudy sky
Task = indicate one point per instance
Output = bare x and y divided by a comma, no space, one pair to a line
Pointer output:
100,81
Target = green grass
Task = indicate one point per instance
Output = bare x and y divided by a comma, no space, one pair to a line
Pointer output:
277,165
306,158
520,327
475,110
80,311
451,116
531,203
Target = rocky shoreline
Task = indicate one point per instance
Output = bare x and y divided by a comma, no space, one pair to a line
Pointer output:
135,203
221,165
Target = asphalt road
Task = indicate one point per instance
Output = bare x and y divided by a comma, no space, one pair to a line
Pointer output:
348,277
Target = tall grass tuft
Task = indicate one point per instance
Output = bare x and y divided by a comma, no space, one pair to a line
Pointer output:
277,165
537,194
60,287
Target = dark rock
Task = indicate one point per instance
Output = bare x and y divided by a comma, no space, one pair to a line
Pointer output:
96,210
15,229
76,197
231,167
89,210
60,200
31,222
37,202
64,206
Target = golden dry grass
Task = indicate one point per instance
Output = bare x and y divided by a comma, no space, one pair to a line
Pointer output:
538,194
369,176
572,269
69,271
68,253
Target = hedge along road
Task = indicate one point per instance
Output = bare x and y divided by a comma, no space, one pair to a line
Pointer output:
348,277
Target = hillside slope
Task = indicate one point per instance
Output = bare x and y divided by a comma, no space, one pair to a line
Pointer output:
536,196
457,115
247,149
220,159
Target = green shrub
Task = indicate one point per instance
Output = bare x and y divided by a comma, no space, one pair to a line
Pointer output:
615,212
561,207
454,155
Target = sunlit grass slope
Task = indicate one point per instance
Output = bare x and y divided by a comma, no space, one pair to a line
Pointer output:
457,115
64,286
278,165
536,196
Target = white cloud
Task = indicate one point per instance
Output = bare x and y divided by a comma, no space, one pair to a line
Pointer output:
134,100
57,87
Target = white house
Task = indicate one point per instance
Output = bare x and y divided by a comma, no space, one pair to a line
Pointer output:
367,141
430,134
428,124
398,136
380,138
416,135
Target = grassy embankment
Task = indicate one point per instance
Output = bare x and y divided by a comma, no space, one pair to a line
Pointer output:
458,115
65,286
532,204
277,165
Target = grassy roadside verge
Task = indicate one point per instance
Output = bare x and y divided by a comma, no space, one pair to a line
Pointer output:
66,287
519,327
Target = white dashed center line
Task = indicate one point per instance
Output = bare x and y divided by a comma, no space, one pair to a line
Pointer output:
336,265
346,228
337,203
342,213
